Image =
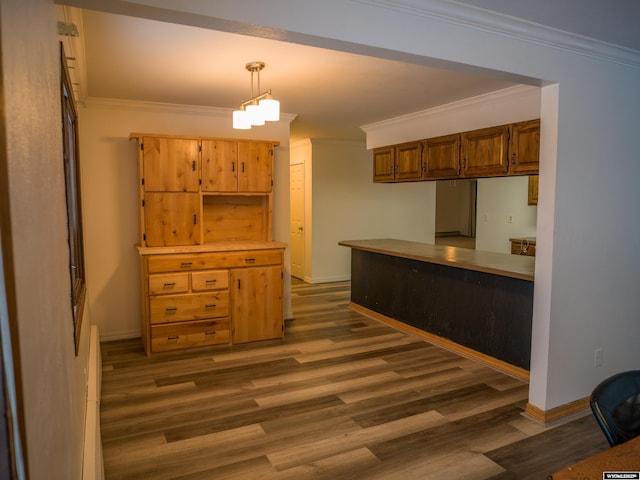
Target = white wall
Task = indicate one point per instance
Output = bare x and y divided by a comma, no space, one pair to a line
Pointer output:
345,204
34,247
110,186
503,213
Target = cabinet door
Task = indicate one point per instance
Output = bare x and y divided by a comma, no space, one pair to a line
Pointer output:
170,164
171,219
532,197
442,157
219,166
524,147
408,162
484,152
255,164
383,164
257,308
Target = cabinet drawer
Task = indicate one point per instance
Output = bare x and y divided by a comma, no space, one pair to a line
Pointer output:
207,261
168,283
173,308
254,257
210,280
189,334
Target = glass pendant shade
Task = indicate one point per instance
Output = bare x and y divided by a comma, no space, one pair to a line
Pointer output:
241,120
259,108
255,115
270,109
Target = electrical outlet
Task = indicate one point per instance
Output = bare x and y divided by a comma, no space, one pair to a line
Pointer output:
510,219
486,217
598,357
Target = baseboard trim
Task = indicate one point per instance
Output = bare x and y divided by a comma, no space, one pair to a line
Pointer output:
557,414
504,367
122,335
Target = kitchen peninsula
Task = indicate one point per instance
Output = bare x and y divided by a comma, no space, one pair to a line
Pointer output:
476,303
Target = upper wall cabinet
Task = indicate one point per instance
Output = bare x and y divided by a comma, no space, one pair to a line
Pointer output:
399,163
442,157
383,164
524,147
484,152
488,152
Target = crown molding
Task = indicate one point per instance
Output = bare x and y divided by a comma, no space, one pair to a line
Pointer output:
115,103
461,105
480,19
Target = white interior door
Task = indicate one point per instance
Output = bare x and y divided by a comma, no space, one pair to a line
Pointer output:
297,220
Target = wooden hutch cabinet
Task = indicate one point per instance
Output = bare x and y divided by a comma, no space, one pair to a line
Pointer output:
210,271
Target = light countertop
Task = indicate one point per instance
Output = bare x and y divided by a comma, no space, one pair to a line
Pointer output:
504,264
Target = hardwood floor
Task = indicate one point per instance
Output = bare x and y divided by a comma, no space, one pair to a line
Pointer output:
342,397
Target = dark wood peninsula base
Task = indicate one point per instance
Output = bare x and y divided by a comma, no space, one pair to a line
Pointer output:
477,303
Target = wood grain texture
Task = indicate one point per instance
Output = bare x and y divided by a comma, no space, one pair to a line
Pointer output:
342,396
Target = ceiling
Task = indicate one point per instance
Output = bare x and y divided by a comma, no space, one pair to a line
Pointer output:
331,93
612,21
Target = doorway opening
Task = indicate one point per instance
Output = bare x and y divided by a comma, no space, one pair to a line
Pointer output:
456,204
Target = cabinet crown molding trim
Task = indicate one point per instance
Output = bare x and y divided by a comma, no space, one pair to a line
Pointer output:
524,93
518,29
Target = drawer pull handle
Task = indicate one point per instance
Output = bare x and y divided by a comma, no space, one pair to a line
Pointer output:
211,305
170,285
249,260
171,309
210,333
176,337
211,281
185,264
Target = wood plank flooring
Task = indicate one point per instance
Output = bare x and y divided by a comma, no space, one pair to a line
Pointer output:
342,397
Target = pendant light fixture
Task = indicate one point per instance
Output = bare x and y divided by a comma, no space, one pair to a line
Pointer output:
260,107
